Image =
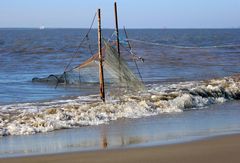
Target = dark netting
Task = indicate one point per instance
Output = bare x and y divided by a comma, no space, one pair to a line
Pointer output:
116,72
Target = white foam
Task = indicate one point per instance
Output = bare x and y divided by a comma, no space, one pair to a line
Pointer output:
31,118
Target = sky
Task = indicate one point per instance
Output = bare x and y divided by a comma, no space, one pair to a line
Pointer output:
132,13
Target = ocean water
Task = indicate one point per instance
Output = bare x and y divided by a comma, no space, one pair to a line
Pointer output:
28,53
190,75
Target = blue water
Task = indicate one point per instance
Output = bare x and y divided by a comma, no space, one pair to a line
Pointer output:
28,53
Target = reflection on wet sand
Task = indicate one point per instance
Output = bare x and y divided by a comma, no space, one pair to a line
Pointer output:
163,129
104,140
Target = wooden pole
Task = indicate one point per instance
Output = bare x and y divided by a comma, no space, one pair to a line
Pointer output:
101,77
117,33
116,27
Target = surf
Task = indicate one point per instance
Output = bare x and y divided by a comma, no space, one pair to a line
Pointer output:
32,118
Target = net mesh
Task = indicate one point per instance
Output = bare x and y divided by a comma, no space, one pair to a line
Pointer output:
116,72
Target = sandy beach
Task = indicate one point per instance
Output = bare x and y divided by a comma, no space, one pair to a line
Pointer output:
219,149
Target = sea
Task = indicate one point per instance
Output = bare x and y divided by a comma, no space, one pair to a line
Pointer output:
192,90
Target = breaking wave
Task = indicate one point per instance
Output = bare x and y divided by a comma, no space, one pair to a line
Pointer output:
31,118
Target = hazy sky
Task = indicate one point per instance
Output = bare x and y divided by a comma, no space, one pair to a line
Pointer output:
132,13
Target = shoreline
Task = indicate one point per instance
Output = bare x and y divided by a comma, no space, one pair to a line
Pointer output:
214,149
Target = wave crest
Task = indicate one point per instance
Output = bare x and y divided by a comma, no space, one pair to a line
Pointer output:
31,118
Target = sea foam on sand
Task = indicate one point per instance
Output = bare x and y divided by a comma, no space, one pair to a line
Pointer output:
31,118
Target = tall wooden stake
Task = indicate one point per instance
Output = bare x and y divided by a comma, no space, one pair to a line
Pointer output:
117,33
116,27
101,77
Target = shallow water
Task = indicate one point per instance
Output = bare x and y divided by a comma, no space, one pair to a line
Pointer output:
180,104
32,118
219,119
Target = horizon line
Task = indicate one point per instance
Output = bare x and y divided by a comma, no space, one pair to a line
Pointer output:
45,28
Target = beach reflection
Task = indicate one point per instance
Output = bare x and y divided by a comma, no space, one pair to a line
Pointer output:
104,139
158,130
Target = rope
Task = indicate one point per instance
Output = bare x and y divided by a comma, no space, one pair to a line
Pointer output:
89,46
79,46
131,52
134,60
183,47
77,49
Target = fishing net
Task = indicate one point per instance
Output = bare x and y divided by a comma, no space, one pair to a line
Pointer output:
116,72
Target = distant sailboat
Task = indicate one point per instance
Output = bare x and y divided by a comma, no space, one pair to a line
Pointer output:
41,27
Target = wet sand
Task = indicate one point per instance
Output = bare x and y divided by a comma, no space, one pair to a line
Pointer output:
215,150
